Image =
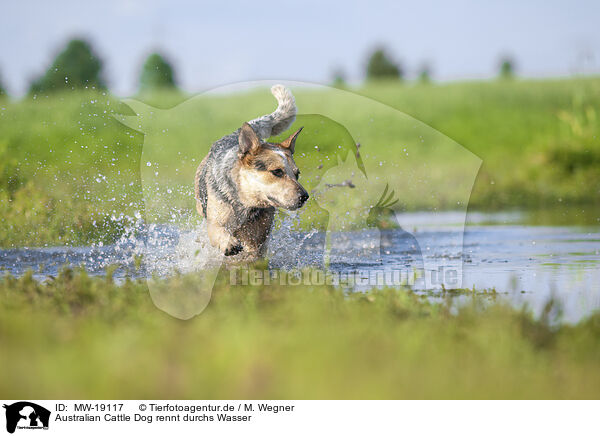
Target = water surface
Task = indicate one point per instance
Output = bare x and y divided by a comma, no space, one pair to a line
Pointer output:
526,264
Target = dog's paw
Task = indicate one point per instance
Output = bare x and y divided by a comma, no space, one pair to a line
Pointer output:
233,249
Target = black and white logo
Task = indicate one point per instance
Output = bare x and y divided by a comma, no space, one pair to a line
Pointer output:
26,415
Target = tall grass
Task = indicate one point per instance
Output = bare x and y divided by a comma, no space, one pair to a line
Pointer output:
87,337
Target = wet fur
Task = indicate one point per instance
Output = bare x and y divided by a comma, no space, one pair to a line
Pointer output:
234,188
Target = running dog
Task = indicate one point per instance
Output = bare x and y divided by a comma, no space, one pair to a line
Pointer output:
243,179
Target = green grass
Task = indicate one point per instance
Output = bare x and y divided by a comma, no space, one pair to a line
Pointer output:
70,172
539,140
86,337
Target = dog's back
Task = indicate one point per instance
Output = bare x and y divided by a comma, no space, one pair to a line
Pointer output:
213,171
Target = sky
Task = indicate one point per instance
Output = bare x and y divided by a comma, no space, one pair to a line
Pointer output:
217,43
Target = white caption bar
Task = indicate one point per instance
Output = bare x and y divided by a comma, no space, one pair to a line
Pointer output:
299,417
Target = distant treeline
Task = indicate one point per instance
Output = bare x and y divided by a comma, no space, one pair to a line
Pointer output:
380,65
77,66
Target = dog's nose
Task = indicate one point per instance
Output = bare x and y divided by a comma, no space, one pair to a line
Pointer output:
303,197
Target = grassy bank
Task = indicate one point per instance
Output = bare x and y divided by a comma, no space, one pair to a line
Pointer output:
539,139
87,337
70,173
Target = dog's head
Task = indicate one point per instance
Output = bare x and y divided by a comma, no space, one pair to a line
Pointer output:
268,175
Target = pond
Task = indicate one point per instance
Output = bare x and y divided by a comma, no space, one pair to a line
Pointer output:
524,263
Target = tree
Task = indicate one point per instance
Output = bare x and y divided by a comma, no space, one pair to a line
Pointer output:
380,66
507,68
75,67
339,78
157,73
425,74
2,91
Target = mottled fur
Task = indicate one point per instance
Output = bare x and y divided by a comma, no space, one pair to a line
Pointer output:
242,180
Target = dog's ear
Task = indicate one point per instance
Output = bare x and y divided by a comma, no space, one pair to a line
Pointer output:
248,140
290,143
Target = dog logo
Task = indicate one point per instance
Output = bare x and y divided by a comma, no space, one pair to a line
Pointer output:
26,415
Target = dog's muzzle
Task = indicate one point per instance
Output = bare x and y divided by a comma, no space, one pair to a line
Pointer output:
302,199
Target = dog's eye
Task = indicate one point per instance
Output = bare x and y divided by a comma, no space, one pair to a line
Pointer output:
297,175
277,173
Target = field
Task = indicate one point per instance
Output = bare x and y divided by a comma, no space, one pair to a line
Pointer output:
538,139
70,172
86,337
85,168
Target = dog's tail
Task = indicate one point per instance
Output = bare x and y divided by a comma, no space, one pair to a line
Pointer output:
279,121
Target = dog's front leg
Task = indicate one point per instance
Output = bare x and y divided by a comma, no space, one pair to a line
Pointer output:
218,217
219,237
